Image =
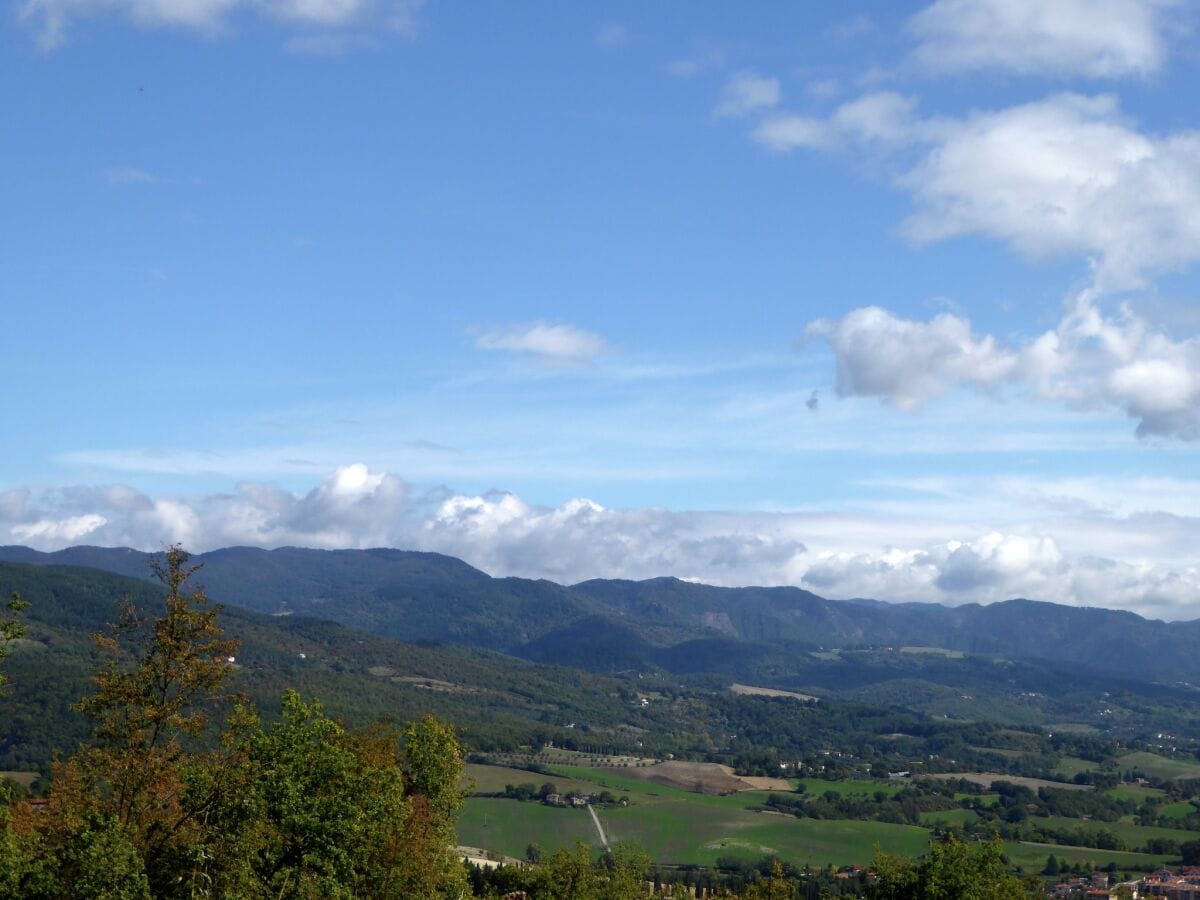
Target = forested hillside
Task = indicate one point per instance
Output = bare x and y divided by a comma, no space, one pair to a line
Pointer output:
426,596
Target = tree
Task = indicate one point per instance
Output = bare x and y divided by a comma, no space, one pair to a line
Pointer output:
308,811
164,675
776,887
10,630
432,759
157,805
952,870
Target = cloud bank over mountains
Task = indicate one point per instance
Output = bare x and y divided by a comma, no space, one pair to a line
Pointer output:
1060,558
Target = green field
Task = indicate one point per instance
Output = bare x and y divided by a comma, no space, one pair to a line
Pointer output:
956,817
492,779
1180,810
1070,766
1031,857
678,826
818,786
1132,835
678,835
1136,792
508,826
1156,766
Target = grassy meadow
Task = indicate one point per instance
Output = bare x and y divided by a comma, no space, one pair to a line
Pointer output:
676,826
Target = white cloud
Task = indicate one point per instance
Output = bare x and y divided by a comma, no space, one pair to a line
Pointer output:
908,362
1096,38
50,18
67,530
1006,565
1066,176
880,116
1060,177
783,133
1089,361
1049,541
748,92
559,345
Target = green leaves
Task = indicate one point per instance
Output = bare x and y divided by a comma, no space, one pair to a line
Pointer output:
952,870
10,630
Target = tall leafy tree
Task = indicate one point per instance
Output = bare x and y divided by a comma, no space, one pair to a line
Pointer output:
309,811
164,676
432,760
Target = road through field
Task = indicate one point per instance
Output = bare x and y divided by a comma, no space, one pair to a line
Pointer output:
599,827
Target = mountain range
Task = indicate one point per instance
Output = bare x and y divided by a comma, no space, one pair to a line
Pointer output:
616,625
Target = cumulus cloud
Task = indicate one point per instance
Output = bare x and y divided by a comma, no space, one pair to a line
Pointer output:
1064,176
748,92
1090,360
1090,557
558,345
907,362
1096,38
50,19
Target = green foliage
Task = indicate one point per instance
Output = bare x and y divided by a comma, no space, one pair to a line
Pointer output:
306,810
302,808
10,629
952,870
93,862
1190,852
573,874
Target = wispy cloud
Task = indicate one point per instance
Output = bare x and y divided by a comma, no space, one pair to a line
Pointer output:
1096,38
130,175
556,345
853,28
748,92
326,22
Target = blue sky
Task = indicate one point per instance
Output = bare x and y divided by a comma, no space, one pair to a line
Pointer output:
893,300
